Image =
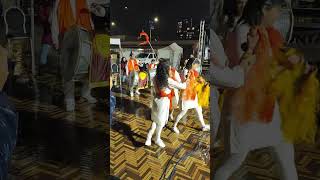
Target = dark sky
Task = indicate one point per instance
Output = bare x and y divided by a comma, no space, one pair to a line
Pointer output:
131,21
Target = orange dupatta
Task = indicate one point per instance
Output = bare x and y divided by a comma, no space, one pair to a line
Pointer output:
190,92
254,101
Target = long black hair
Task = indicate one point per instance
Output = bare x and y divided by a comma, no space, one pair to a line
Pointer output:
162,74
253,10
189,63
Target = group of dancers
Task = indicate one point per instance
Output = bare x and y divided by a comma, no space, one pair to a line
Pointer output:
168,85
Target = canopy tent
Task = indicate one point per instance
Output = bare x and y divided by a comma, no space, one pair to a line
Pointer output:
173,52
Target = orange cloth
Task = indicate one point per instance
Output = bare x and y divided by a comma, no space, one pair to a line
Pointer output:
66,18
83,14
133,65
190,92
254,99
162,93
152,66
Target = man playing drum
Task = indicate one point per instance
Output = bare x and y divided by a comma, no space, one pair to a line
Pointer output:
69,17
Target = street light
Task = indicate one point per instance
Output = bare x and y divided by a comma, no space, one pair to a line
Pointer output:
113,24
156,19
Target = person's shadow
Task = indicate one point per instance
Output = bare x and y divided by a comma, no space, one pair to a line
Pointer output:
126,130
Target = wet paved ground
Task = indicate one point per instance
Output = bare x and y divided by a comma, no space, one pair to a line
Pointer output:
131,159
54,144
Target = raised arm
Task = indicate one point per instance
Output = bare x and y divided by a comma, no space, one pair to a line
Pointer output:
174,84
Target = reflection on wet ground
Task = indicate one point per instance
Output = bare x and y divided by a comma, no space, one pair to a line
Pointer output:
131,159
54,144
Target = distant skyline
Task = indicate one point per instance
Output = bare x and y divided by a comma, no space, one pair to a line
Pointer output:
131,17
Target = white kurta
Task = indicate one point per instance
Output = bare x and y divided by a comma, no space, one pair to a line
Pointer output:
161,106
220,76
175,100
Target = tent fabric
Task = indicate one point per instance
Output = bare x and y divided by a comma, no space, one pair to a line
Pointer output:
173,52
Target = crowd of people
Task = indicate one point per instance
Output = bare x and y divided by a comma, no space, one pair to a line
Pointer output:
262,92
172,89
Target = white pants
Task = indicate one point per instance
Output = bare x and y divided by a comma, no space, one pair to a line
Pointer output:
184,112
215,114
284,154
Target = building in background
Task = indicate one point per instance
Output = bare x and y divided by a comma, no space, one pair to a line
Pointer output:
187,30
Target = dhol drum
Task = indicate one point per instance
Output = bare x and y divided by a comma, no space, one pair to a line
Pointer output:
84,53
143,80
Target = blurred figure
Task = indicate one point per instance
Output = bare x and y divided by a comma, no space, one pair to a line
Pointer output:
190,97
258,111
45,20
152,71
112,101
231,38
8,120
132,70
123,68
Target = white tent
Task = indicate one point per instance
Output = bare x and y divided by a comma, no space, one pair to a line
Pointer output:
173,52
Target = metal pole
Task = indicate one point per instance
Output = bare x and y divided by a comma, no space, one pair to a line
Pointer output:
150,34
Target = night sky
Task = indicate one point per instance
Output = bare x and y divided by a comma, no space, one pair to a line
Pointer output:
134,19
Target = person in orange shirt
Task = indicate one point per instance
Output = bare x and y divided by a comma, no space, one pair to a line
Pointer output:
132,74
189,96
67,17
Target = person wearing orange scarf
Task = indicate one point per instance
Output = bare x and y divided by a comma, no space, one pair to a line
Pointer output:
132,70
254,113
190,98
163,85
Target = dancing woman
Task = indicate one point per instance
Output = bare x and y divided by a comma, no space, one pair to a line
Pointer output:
190,97
256,119
163,85
173,73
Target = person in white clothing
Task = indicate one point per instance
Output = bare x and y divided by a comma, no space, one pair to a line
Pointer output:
163,85
189,97
175,92
255,133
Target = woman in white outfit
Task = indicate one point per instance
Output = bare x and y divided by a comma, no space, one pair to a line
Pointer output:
257,132
189,98
163,86
175,92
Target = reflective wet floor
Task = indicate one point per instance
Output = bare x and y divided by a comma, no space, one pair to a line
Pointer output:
261,164
184,156
54,144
